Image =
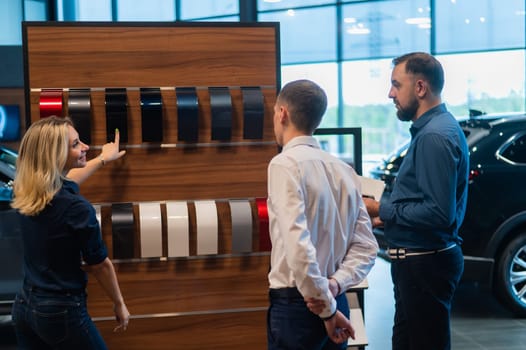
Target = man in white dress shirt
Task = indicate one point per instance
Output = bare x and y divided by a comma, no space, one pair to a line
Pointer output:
322,241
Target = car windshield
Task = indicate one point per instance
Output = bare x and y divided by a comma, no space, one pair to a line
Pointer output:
7,172
473,135
8,158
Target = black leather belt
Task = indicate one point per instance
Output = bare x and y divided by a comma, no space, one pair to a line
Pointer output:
285,293
38,290
402,253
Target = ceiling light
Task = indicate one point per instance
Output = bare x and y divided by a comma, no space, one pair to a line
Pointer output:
418,20
358,30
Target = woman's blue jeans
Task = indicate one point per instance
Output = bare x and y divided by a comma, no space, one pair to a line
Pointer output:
51,320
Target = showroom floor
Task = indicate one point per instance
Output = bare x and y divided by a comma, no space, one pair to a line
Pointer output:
478,321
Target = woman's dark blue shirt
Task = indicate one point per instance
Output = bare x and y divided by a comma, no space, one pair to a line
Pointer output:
58,239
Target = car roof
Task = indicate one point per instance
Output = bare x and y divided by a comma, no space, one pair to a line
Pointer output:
488,121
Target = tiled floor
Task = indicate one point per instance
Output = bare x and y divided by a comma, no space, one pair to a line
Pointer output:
479,322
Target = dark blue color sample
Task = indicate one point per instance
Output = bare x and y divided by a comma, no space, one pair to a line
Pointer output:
221,106
187,114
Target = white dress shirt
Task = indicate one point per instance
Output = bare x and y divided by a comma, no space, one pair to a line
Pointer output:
319,226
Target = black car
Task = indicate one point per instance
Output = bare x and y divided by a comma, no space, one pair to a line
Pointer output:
494,228
10,238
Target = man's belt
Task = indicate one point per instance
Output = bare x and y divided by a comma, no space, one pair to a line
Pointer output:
402,253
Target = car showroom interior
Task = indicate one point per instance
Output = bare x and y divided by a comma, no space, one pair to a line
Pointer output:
185,97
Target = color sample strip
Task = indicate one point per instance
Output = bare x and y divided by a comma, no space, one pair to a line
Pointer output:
122,230
241,214
187,114
207,227
97,208
50,102
221,106
253,112
264,234
79,110
152,114
116,114
178,228
151,230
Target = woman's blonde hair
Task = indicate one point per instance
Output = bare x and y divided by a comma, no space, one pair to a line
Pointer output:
40,165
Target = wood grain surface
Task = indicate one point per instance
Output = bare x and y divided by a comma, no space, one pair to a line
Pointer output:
223,297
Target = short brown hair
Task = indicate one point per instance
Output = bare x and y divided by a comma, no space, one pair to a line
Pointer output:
425,65
307,103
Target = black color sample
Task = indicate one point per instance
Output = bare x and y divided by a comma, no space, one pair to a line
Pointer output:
123,230
116,113
152,114
253,112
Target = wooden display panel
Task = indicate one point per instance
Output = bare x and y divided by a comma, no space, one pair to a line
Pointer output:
171,299
69,55
221,331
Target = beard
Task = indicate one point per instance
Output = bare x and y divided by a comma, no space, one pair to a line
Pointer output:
408,112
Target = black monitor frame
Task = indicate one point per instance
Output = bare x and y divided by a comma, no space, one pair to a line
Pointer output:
357,142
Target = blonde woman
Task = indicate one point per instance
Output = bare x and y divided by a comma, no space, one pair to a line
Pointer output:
62,241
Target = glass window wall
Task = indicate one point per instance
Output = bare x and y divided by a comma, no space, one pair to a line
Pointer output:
84,10
151,10
307,35
490,82
35,10
265,5
11,14
192,9
477,25
365,89
325,75
385,29
347,46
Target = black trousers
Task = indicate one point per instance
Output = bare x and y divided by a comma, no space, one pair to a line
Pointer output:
291,325
423,289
